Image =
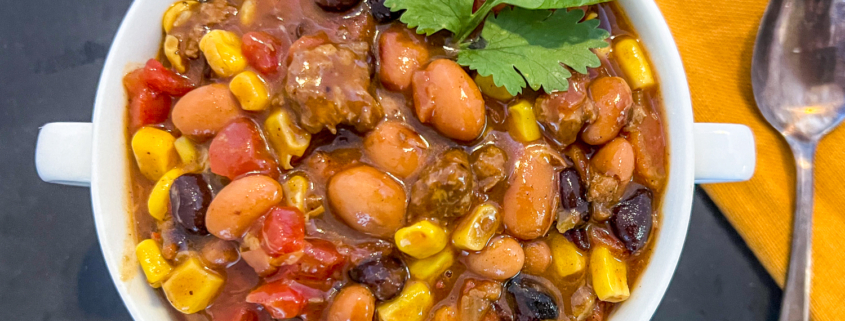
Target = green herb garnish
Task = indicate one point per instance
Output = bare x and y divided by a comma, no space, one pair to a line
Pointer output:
524,46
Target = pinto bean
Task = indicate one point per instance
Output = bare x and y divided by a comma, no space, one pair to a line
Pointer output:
204,111
615,159
353,303
613,99
396,148
538,256
240,203
528,203
446,97
402,52
501,259
368,200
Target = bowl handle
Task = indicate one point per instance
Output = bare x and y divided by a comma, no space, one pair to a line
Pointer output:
63,153
723,153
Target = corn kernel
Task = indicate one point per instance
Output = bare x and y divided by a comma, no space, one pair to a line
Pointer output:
192,156
489,88
171,51
177,14
154,265
159,199
191,287
633,62
250,91
247,12
287,139
446,313
610,279
430,268
413,304
154,152
566,258
421,240
222,50
523,124
477,228
296,195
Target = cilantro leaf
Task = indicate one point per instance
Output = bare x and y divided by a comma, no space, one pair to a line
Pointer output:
552,4
430,16
536,43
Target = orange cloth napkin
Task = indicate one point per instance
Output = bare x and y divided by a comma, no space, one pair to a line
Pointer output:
716,40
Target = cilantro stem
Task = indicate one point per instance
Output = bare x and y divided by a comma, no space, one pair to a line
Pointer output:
476,19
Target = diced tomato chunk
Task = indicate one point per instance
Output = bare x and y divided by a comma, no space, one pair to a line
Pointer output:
284,231
278,298
146,105
165,80
262,51
321,260
239,149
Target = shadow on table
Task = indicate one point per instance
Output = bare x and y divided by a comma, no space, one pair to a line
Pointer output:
97,294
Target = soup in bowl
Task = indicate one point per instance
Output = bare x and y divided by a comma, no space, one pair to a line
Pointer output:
324,160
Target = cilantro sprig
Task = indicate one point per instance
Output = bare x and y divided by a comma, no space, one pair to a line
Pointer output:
527,45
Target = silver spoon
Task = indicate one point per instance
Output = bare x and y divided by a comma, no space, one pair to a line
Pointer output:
798,74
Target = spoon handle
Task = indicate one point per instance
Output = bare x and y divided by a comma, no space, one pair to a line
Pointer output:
796,298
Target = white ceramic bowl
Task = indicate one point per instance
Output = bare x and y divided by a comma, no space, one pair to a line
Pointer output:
95,154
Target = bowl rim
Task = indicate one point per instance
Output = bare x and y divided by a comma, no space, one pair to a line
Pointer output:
654,34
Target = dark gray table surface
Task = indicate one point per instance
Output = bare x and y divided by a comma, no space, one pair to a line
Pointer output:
51,267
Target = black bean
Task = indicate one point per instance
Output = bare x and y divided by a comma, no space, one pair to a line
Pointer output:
190,195
579,237
573,195
384,275
337,5
632,221
530,300
381,13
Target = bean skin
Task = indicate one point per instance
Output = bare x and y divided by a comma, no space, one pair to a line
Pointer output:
352,303
528,203
613,99
446,97
538,256
402,52
396,148
368,200
501,259
204,111
615,159
240,203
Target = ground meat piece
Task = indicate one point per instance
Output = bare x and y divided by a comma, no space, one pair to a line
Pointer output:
488,164
445,188
564,113
329,84
476,300
209,14
603,192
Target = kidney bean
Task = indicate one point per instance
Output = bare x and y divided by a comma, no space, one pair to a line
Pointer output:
384,275
579,237
337,5
381,13
573,196
632,220
530,300
190,196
